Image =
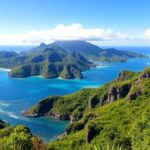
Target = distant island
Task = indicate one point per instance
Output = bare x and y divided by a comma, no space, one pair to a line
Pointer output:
66,59
49,62
95,53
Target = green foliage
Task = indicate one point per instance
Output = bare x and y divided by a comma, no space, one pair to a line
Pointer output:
16,138
141,132
123,122
99,147
19,138
66,107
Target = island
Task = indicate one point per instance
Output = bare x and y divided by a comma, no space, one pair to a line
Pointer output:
65,59
95,53
50,62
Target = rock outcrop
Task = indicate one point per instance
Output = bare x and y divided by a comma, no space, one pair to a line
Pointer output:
134,95
93,101
122,76
42,108
91,132
2,124
73,127
59,116
145,74
116,92
125,75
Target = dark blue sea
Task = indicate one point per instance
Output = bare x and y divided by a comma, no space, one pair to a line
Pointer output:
16,95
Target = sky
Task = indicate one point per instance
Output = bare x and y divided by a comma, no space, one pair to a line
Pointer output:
105,22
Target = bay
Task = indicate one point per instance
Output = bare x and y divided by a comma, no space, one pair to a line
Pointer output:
16,95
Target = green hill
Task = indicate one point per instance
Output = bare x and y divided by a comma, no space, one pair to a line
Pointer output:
94,52
117,113
49,62
18,138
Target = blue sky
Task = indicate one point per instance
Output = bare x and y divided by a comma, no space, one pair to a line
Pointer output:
122,22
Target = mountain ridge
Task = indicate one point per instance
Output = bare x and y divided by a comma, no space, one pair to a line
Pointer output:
94,52
50,62
55,60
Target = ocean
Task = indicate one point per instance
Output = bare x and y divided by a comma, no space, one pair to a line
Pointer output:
16,95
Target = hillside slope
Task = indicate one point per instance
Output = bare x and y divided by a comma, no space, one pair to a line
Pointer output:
48,62
114,114
94,52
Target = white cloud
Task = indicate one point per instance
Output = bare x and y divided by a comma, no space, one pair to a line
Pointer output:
147,34
62,32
